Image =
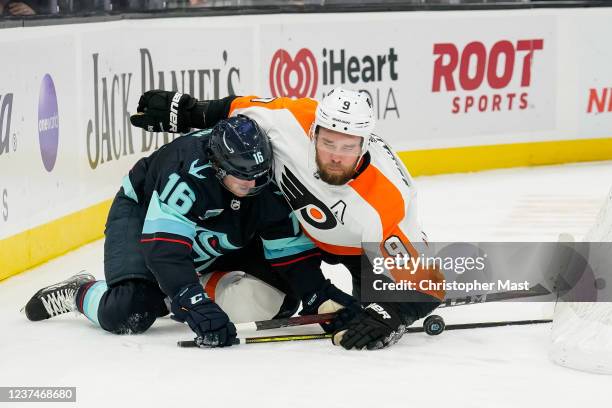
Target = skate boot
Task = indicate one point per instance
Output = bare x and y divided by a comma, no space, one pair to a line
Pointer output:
56,299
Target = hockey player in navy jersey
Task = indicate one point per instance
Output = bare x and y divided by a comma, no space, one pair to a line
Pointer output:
202,203
351,194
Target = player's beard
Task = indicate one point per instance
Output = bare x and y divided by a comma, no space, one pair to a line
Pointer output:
336,178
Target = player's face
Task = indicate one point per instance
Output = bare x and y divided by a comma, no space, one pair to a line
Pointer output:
239,187
337,155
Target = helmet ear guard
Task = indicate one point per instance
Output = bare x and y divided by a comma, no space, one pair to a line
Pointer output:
220,171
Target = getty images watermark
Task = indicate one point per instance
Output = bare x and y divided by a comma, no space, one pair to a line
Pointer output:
548,271
458,265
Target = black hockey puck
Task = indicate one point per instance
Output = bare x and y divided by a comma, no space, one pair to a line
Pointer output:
434,325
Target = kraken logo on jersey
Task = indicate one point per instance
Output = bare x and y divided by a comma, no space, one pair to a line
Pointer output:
208,245
312,210
195,170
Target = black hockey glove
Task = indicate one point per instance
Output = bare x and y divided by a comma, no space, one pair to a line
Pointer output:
163,111
211,324
330,299
379,325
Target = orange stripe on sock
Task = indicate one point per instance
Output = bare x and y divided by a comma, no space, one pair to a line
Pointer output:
211,285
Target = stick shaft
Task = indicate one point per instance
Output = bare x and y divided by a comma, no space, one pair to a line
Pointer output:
291,337
305,337
270,324
265,339
537,290
286,322
482,325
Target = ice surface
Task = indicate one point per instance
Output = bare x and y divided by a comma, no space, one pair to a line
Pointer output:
500,367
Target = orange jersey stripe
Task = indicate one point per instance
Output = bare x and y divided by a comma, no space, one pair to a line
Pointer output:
378,191
334,249
303,109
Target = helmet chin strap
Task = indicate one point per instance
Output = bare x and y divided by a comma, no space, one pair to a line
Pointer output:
358,163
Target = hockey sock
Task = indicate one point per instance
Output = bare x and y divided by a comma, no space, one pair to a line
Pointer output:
88,299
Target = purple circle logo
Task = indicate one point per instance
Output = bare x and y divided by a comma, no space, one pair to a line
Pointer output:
48,122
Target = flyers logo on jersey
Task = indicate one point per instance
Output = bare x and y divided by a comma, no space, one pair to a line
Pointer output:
312,210
294,77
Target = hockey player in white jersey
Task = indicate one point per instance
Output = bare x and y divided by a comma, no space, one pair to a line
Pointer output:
344,184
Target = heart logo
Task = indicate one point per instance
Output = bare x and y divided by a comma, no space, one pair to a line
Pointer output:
294,77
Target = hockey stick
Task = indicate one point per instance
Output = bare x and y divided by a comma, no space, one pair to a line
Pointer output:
481,325
285,322
267,325
303,337
537,290
264,339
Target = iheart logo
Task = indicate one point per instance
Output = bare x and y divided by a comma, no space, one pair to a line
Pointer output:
294,77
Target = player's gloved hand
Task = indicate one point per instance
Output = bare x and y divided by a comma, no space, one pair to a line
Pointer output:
330,299
163,111
208,321
378,325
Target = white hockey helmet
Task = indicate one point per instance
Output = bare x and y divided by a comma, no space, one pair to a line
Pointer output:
346,111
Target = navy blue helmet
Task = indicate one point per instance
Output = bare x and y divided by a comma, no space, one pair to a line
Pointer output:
240,148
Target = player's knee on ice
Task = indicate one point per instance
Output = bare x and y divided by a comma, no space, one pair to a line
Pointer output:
131,307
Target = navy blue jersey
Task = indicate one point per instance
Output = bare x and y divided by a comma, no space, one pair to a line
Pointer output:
191,219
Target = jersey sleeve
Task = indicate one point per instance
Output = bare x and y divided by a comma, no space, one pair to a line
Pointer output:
168,234
288,250
302,109
207,113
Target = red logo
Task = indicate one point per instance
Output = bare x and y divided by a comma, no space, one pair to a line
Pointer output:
294,77
600,100
475,65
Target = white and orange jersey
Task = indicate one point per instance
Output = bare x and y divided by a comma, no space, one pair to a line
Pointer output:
379,205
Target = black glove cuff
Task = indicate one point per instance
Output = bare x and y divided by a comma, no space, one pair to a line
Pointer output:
409,312
197,114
